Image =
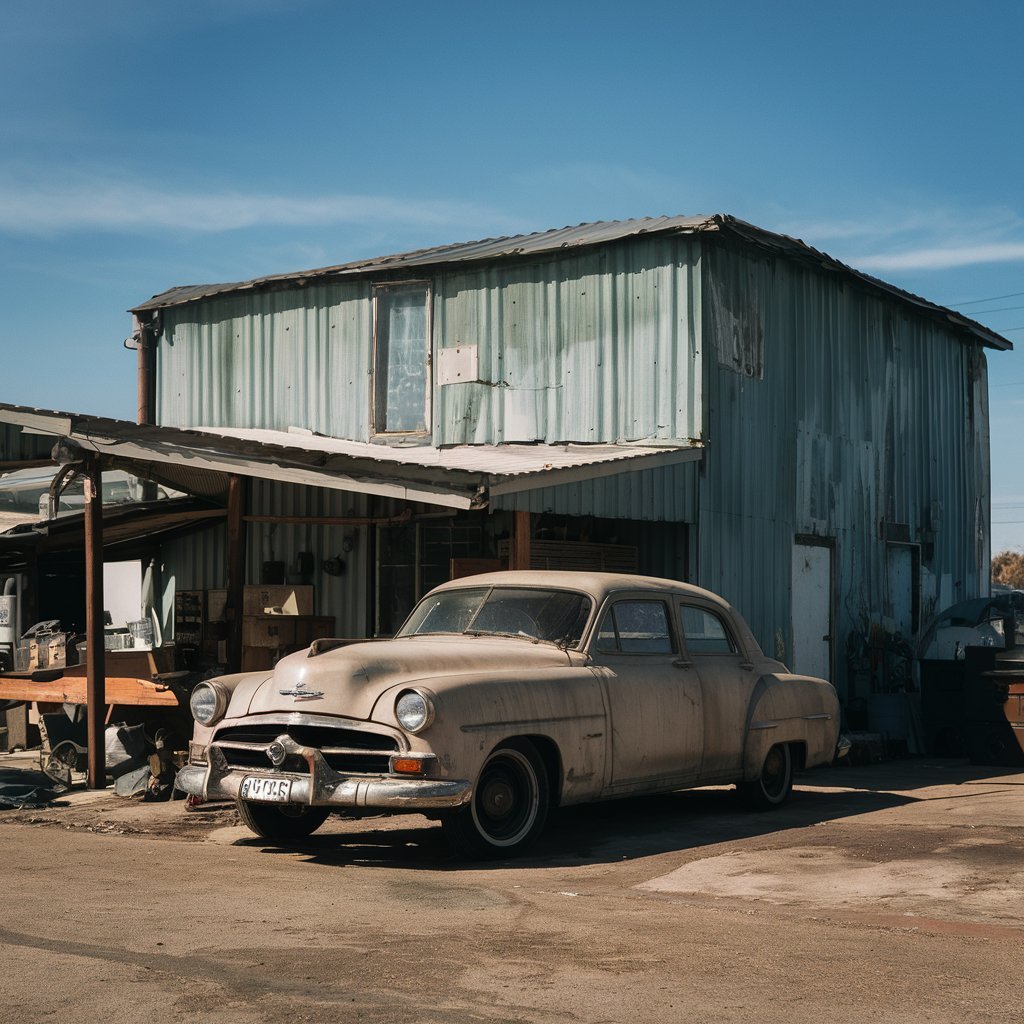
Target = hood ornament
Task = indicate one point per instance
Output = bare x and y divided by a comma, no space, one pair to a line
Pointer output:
299,692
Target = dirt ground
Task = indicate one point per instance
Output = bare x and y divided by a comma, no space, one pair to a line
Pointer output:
893,892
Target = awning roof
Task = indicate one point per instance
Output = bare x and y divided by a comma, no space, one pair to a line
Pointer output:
464,476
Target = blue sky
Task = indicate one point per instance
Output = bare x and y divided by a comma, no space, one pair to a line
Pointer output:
146,145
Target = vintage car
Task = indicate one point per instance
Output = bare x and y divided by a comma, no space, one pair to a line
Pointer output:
504,696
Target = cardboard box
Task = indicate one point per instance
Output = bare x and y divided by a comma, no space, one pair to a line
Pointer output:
285,631
268,631
292,600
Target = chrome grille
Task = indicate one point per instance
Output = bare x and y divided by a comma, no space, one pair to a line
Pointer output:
348,751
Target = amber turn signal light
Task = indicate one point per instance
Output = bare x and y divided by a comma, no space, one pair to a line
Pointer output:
407,765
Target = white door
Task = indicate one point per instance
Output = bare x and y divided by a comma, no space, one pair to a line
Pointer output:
812,611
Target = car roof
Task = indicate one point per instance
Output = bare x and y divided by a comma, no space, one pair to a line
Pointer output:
597,584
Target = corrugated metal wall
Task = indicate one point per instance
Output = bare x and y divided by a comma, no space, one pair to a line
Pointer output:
199,561
601,346
864,415
270,359
596,347
16,446
650,495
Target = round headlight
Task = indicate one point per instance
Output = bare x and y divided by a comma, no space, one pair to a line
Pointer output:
208,703
414,711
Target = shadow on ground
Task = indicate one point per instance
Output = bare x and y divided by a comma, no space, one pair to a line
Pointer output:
600,833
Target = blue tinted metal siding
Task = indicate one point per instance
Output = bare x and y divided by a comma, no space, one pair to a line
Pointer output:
269,359
601,346
865,415
654,495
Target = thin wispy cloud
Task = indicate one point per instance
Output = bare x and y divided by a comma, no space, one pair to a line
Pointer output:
901,239
119,206
944,257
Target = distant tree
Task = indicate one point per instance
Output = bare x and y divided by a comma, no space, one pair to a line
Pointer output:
1008,569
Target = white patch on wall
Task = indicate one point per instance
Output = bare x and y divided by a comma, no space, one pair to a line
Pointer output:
458,365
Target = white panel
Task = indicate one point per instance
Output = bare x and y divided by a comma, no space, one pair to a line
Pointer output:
812,610
122,591
457,365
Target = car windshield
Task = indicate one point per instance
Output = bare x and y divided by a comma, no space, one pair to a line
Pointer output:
556,616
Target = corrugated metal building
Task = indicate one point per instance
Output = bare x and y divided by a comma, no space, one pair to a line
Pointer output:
841,489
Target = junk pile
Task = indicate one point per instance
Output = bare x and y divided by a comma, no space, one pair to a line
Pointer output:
21,789
139,763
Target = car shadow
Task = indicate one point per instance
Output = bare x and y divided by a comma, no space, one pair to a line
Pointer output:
600,833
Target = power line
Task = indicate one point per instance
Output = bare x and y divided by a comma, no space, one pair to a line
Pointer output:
993,298
1009,384
1000,309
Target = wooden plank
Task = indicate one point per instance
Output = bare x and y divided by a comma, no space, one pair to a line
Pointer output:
73,689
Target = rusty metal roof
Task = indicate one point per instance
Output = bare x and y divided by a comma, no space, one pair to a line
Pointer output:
564,239
464,476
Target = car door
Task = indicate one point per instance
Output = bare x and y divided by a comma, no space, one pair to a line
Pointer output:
727,684
654,699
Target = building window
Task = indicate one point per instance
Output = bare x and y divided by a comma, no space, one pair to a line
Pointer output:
401,357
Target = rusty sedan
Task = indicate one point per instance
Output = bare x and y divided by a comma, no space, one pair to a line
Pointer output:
504,696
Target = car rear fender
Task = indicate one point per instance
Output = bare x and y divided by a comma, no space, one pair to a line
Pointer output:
798,710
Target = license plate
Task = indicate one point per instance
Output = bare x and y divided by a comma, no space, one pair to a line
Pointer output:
271,791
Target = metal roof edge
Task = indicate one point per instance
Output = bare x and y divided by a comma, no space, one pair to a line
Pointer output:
799,249
581,236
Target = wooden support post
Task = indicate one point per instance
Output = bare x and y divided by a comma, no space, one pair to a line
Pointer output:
237,494
520,541
95,660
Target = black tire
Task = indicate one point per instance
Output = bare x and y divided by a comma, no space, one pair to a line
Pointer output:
772,788
508,808
284,823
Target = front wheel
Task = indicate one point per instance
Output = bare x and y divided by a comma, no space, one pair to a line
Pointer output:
509,805
774,785
285,823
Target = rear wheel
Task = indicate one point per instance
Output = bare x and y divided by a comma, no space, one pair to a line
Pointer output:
774,785
509,805
287,822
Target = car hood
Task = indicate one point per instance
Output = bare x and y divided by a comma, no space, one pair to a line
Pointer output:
349,680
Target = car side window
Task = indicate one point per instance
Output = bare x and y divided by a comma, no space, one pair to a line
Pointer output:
636,627
704,632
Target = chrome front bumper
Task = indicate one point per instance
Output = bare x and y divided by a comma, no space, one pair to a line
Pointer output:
324,787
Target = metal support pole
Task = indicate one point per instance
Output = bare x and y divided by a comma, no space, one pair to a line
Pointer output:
95,660
237,494
144,346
